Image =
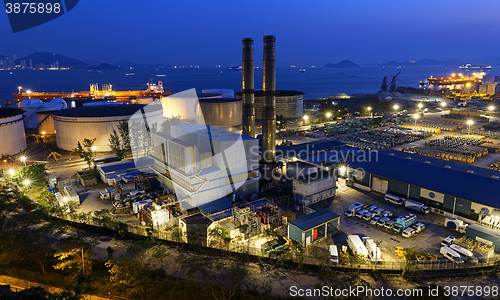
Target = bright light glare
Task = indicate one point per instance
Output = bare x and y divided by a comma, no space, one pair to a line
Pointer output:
26,182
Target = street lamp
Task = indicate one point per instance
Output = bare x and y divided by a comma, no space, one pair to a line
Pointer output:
416,116
26,182
23,159
443,104
370,110
305,117
19,88
328,115
491,108
396,107
420,105
469,122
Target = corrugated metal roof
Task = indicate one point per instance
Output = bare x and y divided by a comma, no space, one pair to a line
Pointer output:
477,187
307,148
314,219
124,164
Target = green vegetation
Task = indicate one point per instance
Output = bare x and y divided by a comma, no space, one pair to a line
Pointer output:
85,151
116,145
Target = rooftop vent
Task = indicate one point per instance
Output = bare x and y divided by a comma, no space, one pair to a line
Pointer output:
408,158
427,162
447,167
391,154
494,177
470,172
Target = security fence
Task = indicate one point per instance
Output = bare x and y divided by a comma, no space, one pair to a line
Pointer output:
309,255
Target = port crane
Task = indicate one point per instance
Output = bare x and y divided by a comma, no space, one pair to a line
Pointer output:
391,86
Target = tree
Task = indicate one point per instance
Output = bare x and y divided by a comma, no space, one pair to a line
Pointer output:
281,123
85,151
220,236
116,145
124,134
79,258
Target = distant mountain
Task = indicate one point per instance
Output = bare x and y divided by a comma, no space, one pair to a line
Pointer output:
106,66
46,59
93,62
342,64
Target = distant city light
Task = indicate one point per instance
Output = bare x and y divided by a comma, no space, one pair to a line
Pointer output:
491,108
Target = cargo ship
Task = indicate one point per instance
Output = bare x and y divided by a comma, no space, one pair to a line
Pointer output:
474,67
106,92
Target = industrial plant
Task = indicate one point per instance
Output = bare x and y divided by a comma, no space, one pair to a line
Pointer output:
263,170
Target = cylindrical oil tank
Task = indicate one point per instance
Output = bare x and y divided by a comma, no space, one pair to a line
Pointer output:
220,112
12,131
74,125
289,104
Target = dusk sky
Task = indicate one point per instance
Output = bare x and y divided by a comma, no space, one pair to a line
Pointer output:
208,33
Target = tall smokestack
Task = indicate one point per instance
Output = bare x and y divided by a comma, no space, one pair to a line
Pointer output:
269,111
248,89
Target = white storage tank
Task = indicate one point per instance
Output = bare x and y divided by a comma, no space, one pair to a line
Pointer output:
12,132
76,124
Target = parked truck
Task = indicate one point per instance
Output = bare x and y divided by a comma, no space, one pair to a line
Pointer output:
107,194
404,222
353,209
356,245
417,206
71,194
374,252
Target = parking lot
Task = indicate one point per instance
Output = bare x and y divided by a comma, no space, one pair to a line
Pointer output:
428,240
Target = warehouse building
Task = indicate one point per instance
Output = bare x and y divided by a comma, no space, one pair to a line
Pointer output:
449,188
314,227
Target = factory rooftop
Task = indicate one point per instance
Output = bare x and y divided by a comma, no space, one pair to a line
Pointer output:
315,219
307,148
218,100
456,179
107,110
214,133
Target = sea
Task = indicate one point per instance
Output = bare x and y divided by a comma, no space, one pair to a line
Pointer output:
316,82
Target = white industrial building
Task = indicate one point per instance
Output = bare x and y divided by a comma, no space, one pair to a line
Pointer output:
314,187
74,125
200,163
12,132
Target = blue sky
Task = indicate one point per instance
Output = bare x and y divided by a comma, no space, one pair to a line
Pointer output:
207,33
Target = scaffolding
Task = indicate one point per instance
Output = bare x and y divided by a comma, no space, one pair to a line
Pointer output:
258,215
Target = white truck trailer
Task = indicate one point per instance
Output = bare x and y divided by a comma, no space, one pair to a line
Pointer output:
374,252
356,245
417,206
